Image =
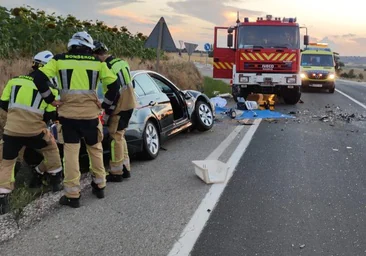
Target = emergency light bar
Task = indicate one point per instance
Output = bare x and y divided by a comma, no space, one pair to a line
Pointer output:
319,44
270,18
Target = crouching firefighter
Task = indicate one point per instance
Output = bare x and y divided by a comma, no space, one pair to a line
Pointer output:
118,115
78,72
26,127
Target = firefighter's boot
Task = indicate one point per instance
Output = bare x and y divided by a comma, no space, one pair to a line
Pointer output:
36,180
72,202
126,173
4,203
56,182
114,178
98,192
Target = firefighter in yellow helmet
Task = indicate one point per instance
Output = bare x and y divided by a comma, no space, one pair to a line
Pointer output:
26,127
78,72
120,114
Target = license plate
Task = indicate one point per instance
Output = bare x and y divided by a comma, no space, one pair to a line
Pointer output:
316,85
267,84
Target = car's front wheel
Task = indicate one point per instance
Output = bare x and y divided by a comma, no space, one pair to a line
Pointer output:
151,140
204,116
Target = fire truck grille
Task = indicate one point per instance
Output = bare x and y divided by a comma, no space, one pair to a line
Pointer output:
267,66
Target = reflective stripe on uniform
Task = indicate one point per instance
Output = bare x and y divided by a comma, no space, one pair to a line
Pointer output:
64,79
55,170
72,189
12,97
98,181
4,191
117,168
28,108
65,91
37,101
107,101
95,79
121,78
46,93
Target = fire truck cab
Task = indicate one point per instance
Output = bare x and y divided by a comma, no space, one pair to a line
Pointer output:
261,56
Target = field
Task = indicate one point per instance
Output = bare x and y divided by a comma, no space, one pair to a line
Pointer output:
358,71
195,57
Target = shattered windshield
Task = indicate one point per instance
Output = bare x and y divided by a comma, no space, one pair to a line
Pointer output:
269,37
320,60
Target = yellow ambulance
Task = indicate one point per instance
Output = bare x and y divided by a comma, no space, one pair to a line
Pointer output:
318,67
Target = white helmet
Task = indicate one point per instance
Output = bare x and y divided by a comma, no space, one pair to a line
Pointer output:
43,57
81,38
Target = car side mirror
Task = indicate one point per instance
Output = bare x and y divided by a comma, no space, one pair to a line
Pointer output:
306,39
230,40
186,95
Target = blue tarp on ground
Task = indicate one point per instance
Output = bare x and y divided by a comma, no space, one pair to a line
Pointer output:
247,114
262,114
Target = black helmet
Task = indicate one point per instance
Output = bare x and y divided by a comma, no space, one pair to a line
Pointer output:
99,47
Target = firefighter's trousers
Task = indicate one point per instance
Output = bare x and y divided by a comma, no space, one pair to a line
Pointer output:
91,131
119,152
44,142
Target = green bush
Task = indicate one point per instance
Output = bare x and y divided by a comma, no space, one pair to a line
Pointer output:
211,86
351,73
25,31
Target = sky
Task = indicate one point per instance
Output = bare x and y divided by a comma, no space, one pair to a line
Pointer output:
341,24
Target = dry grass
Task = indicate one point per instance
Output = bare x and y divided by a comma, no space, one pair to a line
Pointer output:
357,71
184,74
195,57
11,68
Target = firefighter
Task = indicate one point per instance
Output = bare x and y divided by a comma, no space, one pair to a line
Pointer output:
39,60
26,127
122,111
78,72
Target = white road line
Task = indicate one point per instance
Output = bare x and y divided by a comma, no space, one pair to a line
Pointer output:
225,143
349,97
191,232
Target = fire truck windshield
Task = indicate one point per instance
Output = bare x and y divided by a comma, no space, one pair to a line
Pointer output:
320,60
269,37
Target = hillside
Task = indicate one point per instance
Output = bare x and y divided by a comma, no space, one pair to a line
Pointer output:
355,60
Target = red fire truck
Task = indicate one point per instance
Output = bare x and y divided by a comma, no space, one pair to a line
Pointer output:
261,56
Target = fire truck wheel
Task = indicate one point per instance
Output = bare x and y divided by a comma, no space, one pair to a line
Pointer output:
291,97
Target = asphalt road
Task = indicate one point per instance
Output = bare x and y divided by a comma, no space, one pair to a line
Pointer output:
141,216
300,188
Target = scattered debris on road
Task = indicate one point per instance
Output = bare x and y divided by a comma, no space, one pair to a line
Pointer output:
302,246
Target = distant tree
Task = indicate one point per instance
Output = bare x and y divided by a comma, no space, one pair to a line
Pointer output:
360,76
